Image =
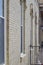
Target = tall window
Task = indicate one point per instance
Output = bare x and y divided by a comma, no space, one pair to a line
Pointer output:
2,32
23,26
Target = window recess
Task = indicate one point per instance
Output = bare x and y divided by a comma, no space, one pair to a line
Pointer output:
23,4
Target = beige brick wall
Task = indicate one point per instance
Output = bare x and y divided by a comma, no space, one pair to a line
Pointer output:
14,32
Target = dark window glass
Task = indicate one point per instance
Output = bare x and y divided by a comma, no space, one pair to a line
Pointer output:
2,32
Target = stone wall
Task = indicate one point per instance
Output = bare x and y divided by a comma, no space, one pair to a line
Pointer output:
12,31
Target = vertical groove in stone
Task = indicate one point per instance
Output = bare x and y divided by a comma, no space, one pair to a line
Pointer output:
7,60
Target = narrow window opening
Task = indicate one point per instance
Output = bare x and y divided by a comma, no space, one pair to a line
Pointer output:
23,26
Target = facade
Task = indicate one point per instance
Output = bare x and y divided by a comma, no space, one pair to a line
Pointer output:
15,12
